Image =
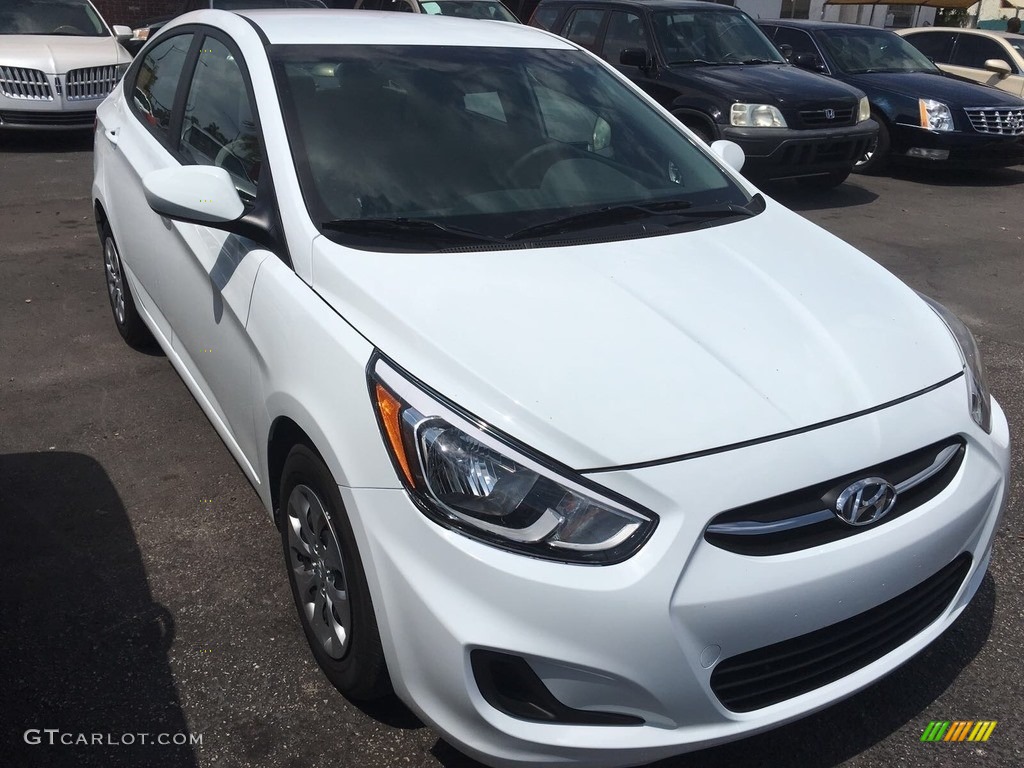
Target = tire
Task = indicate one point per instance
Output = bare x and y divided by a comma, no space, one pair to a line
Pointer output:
122,304
876,159
327,579
696,125
825,181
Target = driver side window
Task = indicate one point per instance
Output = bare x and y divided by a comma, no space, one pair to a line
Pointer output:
219,127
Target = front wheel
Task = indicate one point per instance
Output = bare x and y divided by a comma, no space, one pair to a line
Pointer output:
327,579
876,158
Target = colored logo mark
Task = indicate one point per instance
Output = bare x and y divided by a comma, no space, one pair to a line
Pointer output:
959,730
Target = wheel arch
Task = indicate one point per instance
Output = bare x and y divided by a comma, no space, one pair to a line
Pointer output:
691,117
285,433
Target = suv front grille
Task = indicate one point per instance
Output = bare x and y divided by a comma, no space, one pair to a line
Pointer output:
768,675
91,83
819,117
804,518
18,83
1002,122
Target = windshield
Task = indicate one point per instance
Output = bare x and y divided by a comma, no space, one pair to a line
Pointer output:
857,51
469,9
50,17
256,5
712,37
488,141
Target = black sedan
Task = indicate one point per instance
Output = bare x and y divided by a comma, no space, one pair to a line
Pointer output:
923,114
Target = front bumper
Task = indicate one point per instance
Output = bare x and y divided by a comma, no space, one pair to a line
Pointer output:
959,149
777,153
643,637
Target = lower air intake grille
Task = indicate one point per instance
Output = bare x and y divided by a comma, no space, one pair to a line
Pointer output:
766,676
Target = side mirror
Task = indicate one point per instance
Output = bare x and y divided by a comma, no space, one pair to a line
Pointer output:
635,57
998,66
787,51
200,194
808,61
122,33
730,153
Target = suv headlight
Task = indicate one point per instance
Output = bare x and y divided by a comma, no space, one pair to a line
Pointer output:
935,115
756,116
863,109
979,399
469,477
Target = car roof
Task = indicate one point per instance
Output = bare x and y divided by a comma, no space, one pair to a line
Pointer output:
664,5
348,27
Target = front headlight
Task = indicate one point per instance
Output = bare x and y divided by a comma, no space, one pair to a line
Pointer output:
935,115
466,476
979,399
756,116
863,109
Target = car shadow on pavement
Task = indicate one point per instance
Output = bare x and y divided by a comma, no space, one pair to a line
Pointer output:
846,729
83,645
79,140
798,197
961,177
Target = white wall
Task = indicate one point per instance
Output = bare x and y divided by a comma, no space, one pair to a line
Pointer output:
872,15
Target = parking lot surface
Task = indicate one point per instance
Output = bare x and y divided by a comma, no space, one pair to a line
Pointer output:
142,590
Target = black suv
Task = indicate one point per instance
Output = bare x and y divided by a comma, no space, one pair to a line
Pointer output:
720,76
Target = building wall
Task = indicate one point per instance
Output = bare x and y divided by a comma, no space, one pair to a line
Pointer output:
869,15
130,12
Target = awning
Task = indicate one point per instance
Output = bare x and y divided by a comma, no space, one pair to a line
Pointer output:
925,3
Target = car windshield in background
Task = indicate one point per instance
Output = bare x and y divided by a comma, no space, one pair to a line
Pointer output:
712,37
858,51
256,5
50,17
462,145
468,9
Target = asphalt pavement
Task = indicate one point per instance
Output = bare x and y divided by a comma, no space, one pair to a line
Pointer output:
142,589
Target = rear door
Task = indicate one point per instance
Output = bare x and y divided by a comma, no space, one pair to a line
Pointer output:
969,56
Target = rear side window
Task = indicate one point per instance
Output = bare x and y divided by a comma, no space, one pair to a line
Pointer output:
218,127
156,83
583,28
975,50
937,46
544,18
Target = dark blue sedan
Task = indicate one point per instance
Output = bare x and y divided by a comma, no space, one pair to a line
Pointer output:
923,114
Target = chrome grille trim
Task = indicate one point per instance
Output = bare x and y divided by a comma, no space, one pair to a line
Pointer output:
29,84
1001,122
760,528
91,82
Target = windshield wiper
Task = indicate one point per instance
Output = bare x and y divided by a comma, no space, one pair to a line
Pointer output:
621,214
694,61
759,61
401,225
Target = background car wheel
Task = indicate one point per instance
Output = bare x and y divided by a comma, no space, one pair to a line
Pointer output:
701,130
876,159
126,317
327,579
825,181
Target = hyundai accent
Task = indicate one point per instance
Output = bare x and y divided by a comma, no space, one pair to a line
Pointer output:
566,443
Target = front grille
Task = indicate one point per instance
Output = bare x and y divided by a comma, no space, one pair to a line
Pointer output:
1001,122
819,118
61,119
768,675
18,83
804,518
90,83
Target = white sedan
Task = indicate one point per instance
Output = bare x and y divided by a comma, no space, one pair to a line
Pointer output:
576,441
58,61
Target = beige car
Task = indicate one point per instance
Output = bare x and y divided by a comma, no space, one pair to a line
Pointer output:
983,55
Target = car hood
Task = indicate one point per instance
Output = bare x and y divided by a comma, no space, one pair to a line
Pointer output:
779,84
609,354
57,54
951,90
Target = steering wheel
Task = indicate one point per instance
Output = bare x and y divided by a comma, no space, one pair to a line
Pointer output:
529,170
67,29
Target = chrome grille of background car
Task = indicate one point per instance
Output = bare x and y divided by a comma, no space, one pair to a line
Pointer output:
90,83
18,83
1004,122
818,118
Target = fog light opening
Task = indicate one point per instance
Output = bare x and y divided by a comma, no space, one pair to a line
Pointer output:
928,154
509,684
